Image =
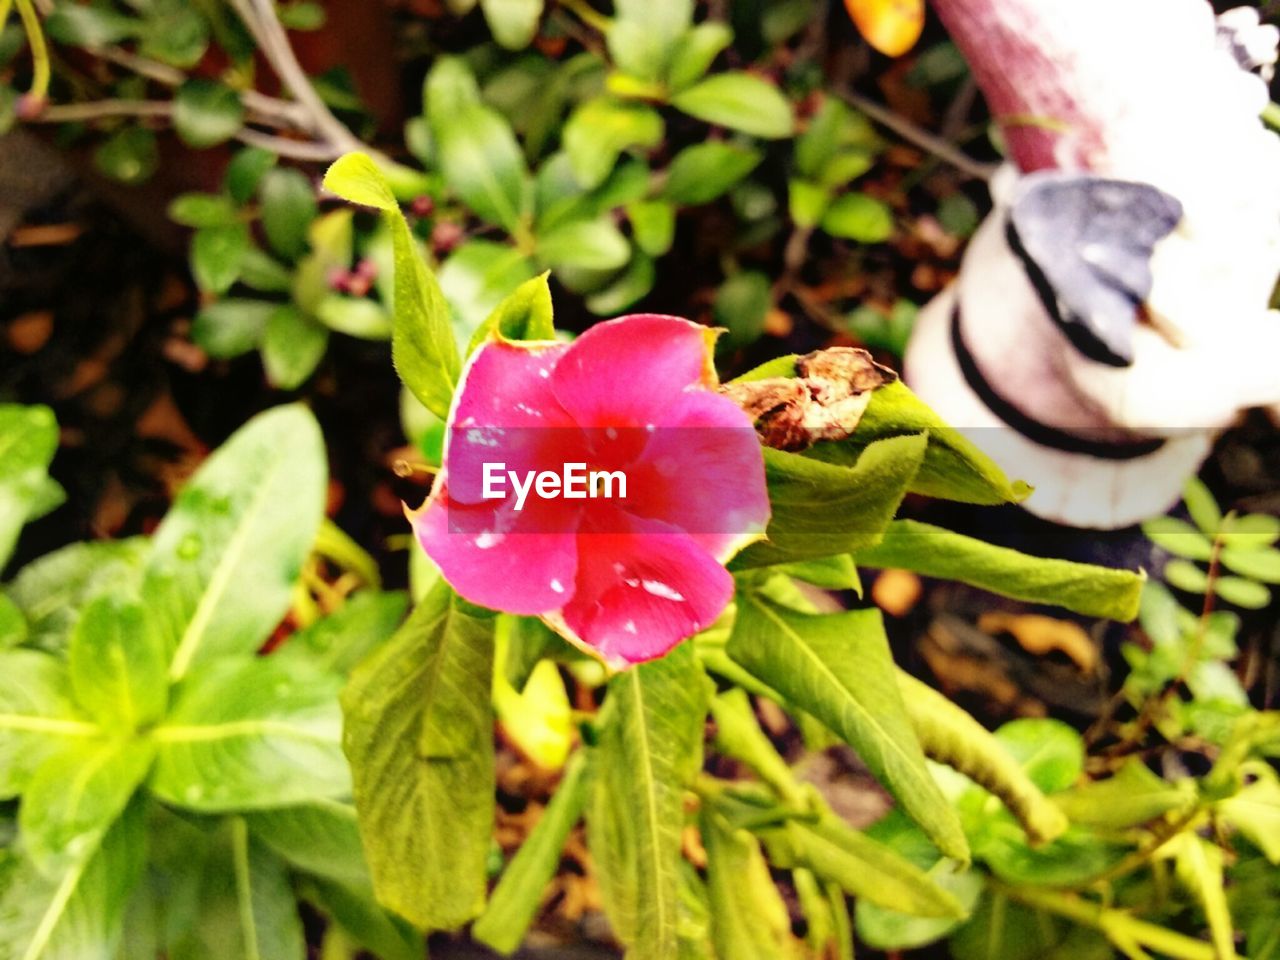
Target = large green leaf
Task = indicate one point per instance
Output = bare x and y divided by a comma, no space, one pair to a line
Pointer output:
345,637
649,749
423,348
860,865
935,552
822,509
748,918
477,150
251,733
838,667
320,838
75,913
419,735
224,561
953,469
740,101
599,130
76,795
118,664
52,591
37,716
247,909
516,898
358,914
28,441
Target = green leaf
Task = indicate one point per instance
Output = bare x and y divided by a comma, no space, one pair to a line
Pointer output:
935,552
649,750
586,244
206,113
806,202
476,278
248,734
1202,506
77,912
1050,752
51,591
1253,531
358,915
740,101
524,315
247,907
953,469
631,285
855,216
13,625
704,171
643,33
245,172
288,207
599,130
419,737
89,26
950,735
1178,537
837,572
175,33
1256,564
423,348
264,273
1199,865
1001,929
479,156
216,256
838,668
695,51
301,15
1241,592
748,918
514,23
223,562
653,225
1185,575
129,155
338,642
118,665
231,327
76,795
28,441
519,892
1255,812
862,866
820,509
742,303
319,838
37,716
354,316
293,345
203,210
1132,796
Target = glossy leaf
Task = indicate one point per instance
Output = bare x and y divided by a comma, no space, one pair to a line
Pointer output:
695,51
118,666
935,552
585,244
251,733
855,216
320,838
206,113
228,328
216,255
419,737
224,560
649,749
293,345
37,716
28,441
337,642
740,101
524,315
704,171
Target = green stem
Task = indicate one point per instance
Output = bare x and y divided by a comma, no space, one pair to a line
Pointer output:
39,50
1271,115
1126,932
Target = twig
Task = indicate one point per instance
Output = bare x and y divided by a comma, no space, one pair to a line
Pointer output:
319,152
920,137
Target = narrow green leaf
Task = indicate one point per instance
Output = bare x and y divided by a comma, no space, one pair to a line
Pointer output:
519,892
118,664
419,737
838,667
1132,796
649,749
223,562
935,552
740,101
1241,592
748,918
1199,865
524,315
251,733
1178,537
1202,506
821,509
1256,564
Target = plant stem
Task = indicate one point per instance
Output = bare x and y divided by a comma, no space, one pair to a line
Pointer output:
39,50
1121,928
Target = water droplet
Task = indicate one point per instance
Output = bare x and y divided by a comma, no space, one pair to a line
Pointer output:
657,588
488,540
557,586
193,793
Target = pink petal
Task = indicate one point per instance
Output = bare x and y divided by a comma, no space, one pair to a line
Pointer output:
640,593
486,552
507,412
624,372
703,472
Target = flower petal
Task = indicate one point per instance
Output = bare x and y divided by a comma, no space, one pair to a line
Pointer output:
640,593
483,554
703,473
507,412
625,372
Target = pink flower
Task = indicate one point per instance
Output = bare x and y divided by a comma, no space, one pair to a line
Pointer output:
637,564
